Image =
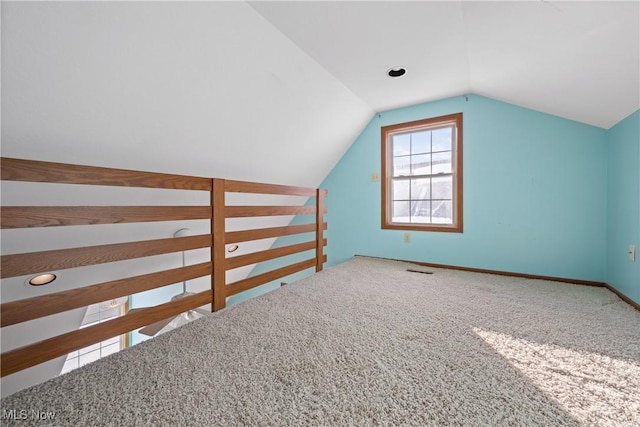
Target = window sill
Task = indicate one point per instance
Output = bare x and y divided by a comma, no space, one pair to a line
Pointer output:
449,228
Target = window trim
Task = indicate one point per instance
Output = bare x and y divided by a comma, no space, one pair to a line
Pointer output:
386,132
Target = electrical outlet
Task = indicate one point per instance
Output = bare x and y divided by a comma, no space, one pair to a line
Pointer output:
407,237
632,253
375,177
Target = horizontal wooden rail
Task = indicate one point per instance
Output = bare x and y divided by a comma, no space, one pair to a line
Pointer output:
23,310
256,257
32,263
37,171
260,279
251,211
38,262
24,357
52,216
265,233
261,188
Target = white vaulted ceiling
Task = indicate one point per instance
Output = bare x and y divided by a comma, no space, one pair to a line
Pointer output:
277,91
199,88
577,60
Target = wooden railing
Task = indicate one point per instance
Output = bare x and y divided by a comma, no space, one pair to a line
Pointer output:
217,212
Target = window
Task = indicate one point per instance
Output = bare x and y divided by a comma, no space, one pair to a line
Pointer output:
422,175
98,313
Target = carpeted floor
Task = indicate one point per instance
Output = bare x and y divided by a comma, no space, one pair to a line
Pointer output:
368,343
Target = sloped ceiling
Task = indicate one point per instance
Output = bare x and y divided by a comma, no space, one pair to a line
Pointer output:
277,91
200,88
577,60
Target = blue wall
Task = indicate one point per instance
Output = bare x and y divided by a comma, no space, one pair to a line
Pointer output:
534,194
542,195
623,205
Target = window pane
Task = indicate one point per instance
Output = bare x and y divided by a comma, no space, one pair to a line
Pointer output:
400,212
91,319
401,144
421,142
441,162
400,189
442,187
89,357
110,349
92,309
110,313
401,166
420,211
69,365
442,139
89,349
421,164
421,188
111,341
442,212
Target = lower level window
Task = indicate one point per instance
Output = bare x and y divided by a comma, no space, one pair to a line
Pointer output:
98,313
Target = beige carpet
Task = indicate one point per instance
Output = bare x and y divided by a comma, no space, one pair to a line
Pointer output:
368,343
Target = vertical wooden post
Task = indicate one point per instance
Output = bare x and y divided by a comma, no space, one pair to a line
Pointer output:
218,275
320,194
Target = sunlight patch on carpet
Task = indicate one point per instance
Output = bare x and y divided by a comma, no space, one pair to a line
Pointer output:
593,388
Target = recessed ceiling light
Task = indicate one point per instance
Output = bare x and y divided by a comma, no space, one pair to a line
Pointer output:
396,72
42,279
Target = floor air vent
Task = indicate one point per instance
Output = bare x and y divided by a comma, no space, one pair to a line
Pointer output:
419,271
